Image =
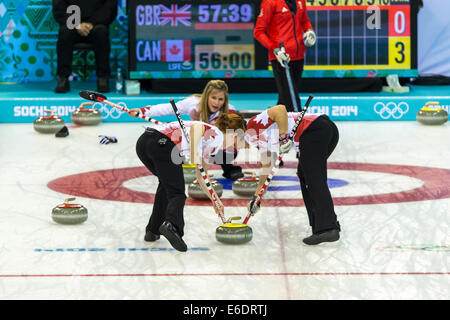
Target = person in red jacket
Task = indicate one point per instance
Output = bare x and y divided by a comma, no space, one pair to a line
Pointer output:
285,21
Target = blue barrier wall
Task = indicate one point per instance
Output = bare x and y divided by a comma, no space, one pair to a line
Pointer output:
340,107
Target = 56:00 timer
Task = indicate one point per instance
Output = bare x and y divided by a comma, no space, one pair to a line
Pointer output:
229,61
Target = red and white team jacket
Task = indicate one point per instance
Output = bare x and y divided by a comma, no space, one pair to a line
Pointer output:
208,146
276,24
189,106
262,132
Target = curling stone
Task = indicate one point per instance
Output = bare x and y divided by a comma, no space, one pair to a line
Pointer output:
48,124
86,116
69,213
234,233
246,186
432,114
189,172
195,190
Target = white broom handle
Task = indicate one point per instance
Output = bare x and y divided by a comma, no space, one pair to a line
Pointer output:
202,171
263,189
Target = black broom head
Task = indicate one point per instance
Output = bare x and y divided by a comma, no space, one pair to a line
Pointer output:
92,95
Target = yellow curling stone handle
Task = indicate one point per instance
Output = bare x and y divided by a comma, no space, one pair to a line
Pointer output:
432,106
233,224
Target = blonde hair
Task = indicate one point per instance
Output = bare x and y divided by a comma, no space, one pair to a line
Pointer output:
219,85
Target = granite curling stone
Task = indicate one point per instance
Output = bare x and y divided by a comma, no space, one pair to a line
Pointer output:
86,116
234,233
246,186
69,213
48,124
195,190
432,114
189,172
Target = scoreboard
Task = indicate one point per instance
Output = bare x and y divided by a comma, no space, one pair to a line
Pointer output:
192,39
214,39
363,37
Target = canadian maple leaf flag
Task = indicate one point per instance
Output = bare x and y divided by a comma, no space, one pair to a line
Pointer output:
176,50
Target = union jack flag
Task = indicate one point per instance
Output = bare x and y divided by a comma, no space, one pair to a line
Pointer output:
175,15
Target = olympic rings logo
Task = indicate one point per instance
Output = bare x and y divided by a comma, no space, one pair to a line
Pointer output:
391,109
109,112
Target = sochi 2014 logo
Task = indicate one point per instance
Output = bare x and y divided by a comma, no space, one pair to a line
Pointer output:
391,109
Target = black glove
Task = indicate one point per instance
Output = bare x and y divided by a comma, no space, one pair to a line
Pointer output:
251,205
106,139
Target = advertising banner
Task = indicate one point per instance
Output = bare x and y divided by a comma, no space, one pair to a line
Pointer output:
338,108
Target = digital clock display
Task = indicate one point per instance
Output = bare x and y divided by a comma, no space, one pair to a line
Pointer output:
224,57
192,38
214,39
225,13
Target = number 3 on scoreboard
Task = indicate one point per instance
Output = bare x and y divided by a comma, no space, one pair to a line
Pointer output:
400,52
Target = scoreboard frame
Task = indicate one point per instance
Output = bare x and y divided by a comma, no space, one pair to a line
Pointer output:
249,60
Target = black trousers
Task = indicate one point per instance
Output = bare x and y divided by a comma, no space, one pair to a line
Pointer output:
99,36
154,149
225,160
316,145
279,73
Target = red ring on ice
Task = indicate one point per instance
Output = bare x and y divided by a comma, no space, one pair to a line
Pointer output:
108,185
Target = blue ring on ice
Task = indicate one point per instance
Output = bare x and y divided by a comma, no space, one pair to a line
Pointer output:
227,184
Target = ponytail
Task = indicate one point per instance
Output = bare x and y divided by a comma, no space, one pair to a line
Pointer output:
230,121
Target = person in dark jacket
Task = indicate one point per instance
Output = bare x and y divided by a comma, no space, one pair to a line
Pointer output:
285,21
95,16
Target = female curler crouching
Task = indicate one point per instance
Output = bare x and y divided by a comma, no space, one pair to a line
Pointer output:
161,149
315,139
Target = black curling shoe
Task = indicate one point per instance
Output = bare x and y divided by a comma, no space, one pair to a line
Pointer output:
327,236
63,85
150,236
169,231
233,173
